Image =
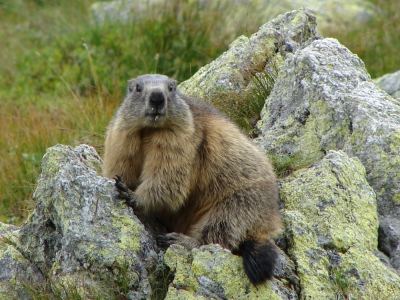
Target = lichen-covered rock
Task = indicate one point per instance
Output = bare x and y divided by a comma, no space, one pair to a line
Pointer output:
15,269
331,225
120,10
212,272
324,99
390,83
236,12
246,56
79,237
338,14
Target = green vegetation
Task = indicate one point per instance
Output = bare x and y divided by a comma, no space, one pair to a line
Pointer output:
63,76
377,41
244,108
285,164
342,284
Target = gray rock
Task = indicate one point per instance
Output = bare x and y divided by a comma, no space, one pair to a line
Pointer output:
212,272
390,83
120,10
236,12
324,99
332,231
15,269
338,14
79,237
246,56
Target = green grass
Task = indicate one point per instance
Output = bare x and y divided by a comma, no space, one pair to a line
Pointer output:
244,108
63,76
377,41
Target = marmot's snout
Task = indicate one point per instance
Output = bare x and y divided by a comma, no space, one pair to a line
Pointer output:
157,101
156,105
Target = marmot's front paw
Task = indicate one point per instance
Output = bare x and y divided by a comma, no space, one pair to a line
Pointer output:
124,193
166,240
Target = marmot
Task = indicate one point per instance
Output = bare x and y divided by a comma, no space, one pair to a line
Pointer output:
183,161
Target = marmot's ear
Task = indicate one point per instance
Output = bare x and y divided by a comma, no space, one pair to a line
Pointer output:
131,85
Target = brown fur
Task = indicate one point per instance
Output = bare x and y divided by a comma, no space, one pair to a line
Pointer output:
192,168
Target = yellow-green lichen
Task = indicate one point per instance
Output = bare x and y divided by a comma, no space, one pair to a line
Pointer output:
179,294
396,198
311,261
180,260
15,254
368,277
55,268
344,213
331,210
130,232
215,264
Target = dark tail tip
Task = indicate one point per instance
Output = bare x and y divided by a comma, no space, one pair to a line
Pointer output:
259,258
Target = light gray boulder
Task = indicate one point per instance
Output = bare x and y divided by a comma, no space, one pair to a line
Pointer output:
323,99
79,237
231,72
331,228
331,14
212,272
390,83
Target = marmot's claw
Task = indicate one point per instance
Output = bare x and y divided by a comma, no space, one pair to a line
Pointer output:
123,192
131,203
166,240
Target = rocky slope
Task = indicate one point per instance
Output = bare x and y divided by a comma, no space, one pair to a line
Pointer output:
341,211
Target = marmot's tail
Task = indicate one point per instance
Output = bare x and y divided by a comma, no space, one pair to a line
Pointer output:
259,257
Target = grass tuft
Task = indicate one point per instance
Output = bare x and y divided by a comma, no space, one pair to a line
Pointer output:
244,108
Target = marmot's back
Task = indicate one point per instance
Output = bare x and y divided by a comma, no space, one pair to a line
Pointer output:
191,167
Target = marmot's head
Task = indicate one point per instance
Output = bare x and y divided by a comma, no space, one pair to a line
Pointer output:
152,101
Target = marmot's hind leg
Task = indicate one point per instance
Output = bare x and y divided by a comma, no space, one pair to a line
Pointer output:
246,231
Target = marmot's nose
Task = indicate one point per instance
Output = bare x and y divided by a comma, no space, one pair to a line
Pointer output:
157,100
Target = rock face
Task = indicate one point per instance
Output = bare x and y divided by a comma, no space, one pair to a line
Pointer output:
78,237
390,83
210,272
246,56
332,231
324,99
80,242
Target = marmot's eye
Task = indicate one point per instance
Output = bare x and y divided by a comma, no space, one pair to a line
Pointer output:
171,87
138,88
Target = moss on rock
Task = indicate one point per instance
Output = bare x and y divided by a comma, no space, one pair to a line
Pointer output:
330,215
211,272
